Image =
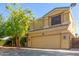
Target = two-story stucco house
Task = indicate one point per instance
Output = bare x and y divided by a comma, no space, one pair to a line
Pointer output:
54,30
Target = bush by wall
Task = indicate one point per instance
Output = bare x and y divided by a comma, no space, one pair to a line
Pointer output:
23,41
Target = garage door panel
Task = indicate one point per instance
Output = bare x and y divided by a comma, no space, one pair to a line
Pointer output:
51,41
37,42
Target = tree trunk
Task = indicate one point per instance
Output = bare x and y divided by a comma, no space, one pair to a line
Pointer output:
12,43
17,41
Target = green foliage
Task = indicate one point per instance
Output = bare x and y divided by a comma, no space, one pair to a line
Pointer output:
18,22
2,42
23,40
9,42
6,42
2,26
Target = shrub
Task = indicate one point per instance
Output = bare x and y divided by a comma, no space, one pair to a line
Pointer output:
23,41
2,42
8,42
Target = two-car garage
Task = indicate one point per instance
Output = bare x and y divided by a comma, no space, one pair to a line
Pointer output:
45,41
49,39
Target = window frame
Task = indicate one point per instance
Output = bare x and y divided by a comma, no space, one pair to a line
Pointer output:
54,19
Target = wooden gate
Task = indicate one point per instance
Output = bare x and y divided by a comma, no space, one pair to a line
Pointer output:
75,43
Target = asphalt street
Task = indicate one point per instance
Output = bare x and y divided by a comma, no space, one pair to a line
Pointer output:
37,52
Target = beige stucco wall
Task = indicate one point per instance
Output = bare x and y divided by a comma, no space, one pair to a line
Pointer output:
65,42
49,39
46,21
52,36
71,27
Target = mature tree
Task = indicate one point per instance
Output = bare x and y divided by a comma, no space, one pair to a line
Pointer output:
18,22
2,23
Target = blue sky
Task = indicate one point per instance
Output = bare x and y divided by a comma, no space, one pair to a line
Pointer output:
40,9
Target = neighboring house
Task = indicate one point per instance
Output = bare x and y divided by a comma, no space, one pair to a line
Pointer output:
54,30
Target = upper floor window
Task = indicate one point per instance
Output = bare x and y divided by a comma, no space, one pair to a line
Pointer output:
56,20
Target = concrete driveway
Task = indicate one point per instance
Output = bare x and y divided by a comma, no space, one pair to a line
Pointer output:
37,52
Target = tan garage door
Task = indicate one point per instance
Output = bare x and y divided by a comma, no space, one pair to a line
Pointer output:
51,41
